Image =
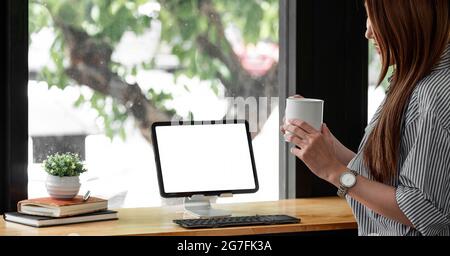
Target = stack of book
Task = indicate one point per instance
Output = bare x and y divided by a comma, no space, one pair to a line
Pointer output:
44,212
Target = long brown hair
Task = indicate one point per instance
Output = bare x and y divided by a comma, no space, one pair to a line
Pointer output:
412,35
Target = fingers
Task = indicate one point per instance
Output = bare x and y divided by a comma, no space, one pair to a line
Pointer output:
295,140
297,131
297,96
327,133
304,125
282,126
297,152
325,130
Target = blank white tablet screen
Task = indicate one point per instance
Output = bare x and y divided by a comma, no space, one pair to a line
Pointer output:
209,157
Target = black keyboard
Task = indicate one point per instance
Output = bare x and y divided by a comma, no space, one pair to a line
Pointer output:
237,221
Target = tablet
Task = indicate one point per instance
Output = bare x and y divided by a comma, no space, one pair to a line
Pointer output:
204,158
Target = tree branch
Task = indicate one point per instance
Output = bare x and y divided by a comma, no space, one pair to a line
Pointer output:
224,81
230,60
89,65
206,46
242,84
270,81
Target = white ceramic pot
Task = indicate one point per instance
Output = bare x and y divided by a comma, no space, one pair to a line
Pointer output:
63,187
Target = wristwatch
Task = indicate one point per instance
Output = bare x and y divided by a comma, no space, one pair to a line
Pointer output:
346,181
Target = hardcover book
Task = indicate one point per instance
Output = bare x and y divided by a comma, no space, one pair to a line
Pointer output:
42,221
51,207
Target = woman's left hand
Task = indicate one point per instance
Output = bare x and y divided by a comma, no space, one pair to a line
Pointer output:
315,150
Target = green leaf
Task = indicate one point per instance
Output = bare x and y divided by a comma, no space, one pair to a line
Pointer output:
79,101
71,13
134,70
122,133
64,165
215,87
251,27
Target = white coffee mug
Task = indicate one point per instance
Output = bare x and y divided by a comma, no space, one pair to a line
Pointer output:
308,110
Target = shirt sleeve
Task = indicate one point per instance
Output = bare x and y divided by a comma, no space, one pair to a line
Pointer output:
423,189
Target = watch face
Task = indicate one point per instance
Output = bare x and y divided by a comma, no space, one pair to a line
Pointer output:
348,179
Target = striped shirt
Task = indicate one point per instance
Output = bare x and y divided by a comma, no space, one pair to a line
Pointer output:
423,180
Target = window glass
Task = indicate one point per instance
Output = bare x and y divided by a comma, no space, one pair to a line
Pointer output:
101,72
376,93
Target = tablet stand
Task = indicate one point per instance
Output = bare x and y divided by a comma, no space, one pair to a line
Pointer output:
200,206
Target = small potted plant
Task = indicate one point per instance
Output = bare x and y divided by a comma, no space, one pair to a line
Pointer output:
63,181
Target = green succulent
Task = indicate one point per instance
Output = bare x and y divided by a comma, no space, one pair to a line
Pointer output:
64,165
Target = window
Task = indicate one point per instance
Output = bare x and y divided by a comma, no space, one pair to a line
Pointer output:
375,94
102,71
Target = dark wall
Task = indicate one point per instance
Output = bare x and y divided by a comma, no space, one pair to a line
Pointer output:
3,113
332,61
14,110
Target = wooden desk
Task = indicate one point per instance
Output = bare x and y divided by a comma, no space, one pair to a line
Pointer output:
318,214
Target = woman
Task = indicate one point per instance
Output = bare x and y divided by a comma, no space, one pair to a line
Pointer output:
399,181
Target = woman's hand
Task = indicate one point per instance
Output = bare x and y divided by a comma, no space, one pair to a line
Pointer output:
332,141
315,149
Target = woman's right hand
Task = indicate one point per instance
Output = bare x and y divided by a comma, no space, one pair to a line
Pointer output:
284,118
343,153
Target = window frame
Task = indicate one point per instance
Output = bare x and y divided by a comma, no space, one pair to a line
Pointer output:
287,81
318,36
14,127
